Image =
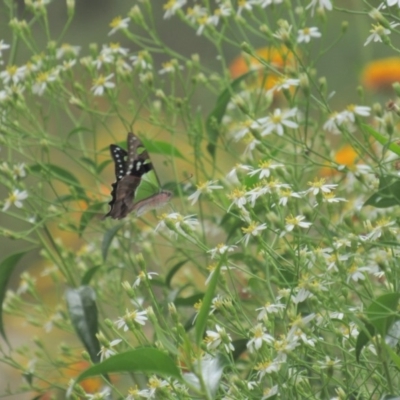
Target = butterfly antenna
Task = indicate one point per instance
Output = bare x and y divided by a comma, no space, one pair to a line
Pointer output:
187,179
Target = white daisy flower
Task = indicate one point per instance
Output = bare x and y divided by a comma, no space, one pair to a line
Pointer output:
292,222
101,83
276,122
202,188
321,4
306,34
172,6
117,24
16,198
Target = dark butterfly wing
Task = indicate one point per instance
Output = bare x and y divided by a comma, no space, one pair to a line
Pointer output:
128,175
119,155
139,162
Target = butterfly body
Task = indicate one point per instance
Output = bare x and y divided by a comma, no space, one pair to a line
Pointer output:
130,167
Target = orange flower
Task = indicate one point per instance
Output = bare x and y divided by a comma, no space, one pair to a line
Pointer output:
90,385
277,58
345,156
381,74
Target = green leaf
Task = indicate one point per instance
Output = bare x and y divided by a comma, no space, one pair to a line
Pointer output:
61,175
89,162
382,312
173,271
160,147
64,199
363,338
215,117
145,360
250,181
6,268
81,303
107,239
102,165
189,324
388,194
88,215
188,301
89,275
394,147
202,317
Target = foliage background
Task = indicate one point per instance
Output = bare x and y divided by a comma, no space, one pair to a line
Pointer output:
342,66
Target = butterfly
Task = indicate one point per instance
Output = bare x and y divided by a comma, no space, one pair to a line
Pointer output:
131,167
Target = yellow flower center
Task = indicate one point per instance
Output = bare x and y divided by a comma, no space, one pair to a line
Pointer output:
116,22
263,365
212,267
264,164
258,332
276,118
291,220
100,81
13,198
236,194
42,77
251,228
202,20
12,70
317,183
115,46
170,4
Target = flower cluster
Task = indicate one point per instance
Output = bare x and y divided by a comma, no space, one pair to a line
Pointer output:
275,262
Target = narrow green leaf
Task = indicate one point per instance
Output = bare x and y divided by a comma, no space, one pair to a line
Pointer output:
215,117
89,162
64,199
188,301
363,338
160,147
89,275
81,303
102,165
6,268
202,317
394,147
146,360
59,174
388,194
189,324
173,271
382,312
107,239
88,215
